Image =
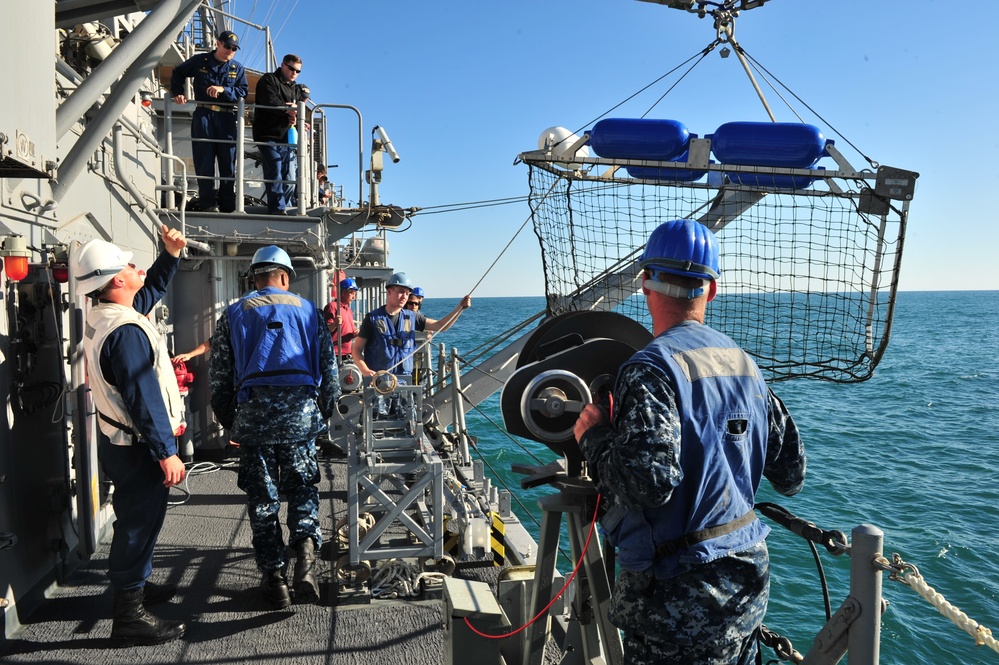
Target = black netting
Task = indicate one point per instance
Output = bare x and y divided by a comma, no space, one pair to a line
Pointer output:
808,281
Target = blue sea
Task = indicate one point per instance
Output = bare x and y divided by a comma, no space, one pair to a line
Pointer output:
913,451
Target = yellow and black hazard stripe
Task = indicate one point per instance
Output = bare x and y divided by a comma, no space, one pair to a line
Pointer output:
497,539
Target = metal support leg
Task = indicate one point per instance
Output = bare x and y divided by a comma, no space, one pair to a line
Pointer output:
591,638
541,594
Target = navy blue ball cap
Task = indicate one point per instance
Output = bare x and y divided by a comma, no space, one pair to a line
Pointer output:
229,38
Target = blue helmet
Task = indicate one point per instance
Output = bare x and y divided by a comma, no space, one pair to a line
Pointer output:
271,255
400,279
349,284
682,247
418,292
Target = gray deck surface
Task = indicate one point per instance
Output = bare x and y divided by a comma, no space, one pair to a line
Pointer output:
205,550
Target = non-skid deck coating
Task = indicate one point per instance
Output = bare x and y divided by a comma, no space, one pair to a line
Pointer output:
205,550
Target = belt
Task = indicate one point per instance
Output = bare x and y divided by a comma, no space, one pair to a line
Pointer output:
221,109
671,547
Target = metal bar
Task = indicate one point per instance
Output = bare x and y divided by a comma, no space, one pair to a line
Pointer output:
122,94
240,154
360,145
541,592
300,155
865,587
149,31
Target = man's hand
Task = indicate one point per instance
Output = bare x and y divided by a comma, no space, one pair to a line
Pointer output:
173,471
179,99
466,302
173,241
214,91
590,415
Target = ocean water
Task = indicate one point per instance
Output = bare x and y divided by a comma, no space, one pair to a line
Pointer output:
913,451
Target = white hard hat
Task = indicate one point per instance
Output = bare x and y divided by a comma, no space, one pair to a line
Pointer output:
95,263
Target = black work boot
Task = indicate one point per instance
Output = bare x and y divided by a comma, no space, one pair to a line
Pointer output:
157,593
274,587
306,587
134,625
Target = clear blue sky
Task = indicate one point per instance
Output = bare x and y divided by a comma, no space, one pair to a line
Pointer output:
463,87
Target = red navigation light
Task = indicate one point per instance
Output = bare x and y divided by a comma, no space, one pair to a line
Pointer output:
17,268
15,252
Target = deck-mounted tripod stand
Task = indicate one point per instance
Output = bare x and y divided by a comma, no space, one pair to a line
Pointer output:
590,637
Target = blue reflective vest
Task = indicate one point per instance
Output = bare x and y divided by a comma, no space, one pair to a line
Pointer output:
723,405
275,340
392,346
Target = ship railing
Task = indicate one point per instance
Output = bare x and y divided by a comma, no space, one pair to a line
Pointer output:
304,166
308,153
855,628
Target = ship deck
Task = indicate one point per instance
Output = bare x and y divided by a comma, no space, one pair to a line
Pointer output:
204,548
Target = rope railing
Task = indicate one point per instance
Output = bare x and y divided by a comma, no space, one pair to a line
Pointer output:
897,569
908,574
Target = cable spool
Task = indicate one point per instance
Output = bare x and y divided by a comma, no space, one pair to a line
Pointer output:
569,361
551,403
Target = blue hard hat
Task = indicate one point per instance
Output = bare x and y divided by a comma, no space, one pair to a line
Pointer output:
349,284
271,255
683,247
418,292
400,279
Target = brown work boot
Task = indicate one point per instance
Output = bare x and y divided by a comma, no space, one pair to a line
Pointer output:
306,586
274,588
133,625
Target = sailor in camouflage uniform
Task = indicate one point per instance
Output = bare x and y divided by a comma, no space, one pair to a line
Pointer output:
692,430
274,384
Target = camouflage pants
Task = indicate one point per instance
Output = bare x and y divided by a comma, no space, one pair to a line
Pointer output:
709,615
266,472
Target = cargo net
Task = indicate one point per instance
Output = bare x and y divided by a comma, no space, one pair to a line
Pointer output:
808,282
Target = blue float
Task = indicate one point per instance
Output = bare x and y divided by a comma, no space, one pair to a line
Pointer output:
666,175
774,181
785,144
639,138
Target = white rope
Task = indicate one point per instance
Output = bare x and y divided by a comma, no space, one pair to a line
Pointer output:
398,578
982,635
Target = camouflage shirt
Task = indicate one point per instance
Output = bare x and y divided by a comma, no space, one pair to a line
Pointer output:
272,414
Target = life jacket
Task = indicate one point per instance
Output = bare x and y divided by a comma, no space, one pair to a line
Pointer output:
274,341
723,405
114,419
392,347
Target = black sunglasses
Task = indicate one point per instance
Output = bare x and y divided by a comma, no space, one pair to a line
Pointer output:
231,48
297,70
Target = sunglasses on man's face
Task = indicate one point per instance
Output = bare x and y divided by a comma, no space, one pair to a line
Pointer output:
230,48
297,70
413,304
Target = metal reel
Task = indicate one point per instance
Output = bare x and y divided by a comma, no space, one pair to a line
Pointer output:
350,575
551,403
569,361
364,523
350,408
350,377
445,564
